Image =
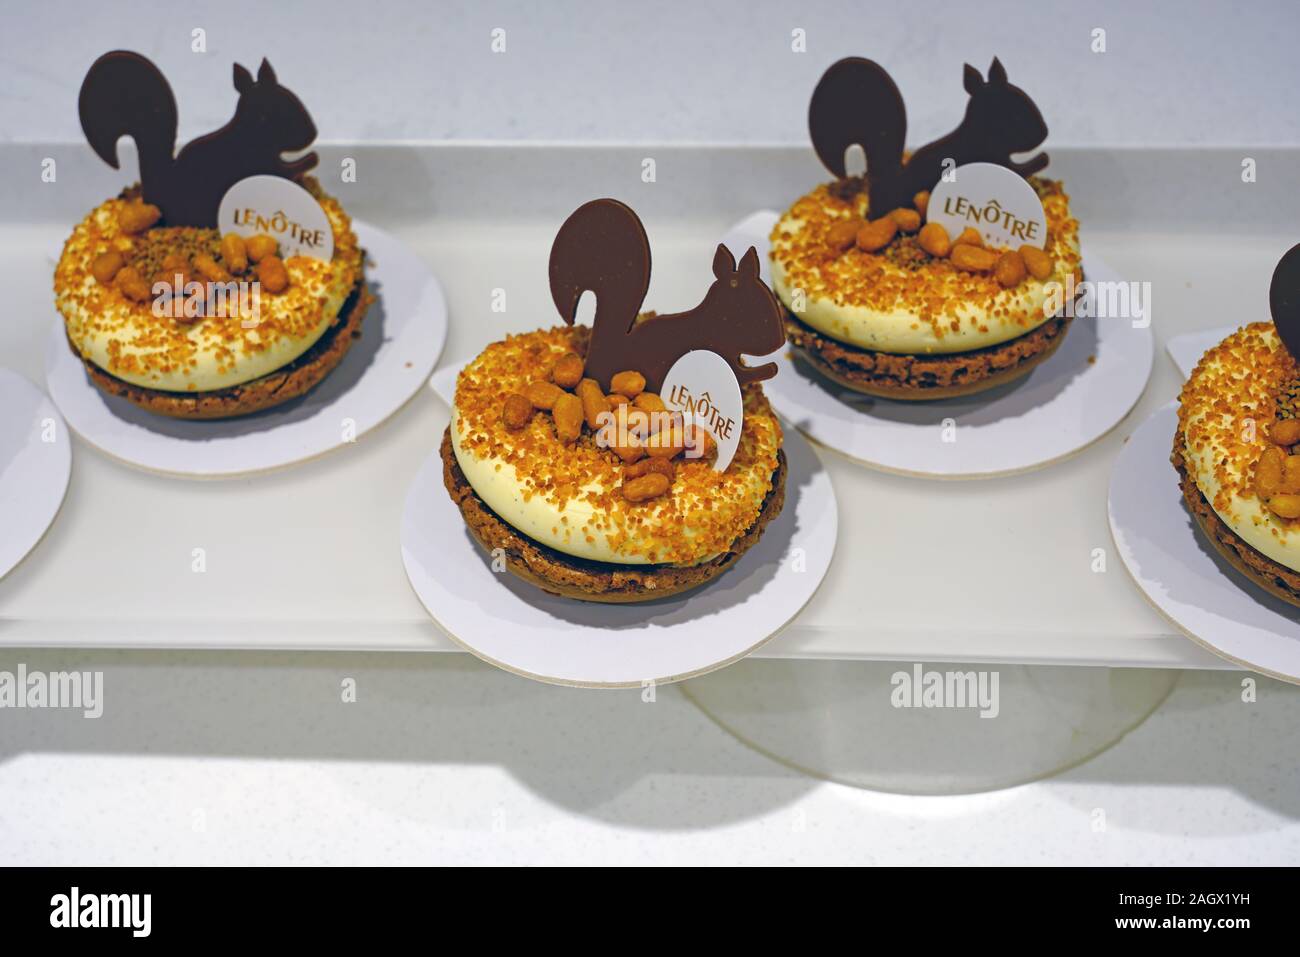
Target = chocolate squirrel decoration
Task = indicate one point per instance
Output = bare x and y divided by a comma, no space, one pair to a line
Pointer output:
602,248
856,102
124,94
1284,300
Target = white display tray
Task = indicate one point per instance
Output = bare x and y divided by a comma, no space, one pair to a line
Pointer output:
993,570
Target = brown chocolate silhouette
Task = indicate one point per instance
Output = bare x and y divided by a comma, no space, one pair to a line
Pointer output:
1284,300
856,102
602,248
124,94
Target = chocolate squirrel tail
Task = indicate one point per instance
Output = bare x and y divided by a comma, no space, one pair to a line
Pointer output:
124,94
857,103
601,248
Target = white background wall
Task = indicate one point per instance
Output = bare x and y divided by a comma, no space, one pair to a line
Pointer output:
1197,72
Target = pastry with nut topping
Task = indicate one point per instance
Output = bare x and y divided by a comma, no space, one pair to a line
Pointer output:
885,302
161,307
563,457
1237,445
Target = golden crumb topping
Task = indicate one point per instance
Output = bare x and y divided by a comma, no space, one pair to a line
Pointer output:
132,341
569,496
1226,402
1228,414
901,298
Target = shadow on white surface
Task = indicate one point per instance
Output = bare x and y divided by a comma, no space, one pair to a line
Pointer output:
591,752
609,756
994,727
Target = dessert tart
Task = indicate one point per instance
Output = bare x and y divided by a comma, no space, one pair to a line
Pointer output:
218,365
920,317
882,299
1238,427
165,310
1237,445
536,488
576,473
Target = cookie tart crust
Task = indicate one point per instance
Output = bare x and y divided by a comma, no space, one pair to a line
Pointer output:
1234,451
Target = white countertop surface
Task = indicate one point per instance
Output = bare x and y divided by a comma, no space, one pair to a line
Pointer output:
225,758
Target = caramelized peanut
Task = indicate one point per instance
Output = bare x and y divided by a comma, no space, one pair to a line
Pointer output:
1010,269
106,266
1269,473
137,217
625,434
842,234
970,236
593,402
234,253
1037,262
1284,431
272,274
629,452
1291,475
876,235
667,443
517,412
260,246
1285,506
665,420
908,220
933,238
630,384
617,400
210,269
650,402
645,487
635,421
174,265
567,413
568,370
543,395
131,284
664,467
973,258
921,201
